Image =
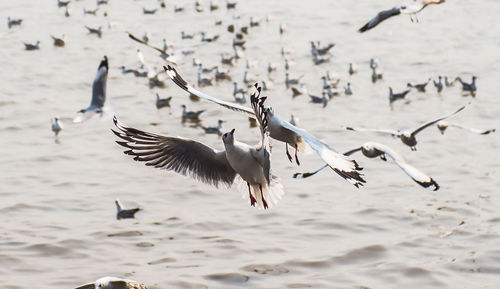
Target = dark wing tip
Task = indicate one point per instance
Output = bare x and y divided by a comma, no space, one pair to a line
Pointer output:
176,78
364,28
429,183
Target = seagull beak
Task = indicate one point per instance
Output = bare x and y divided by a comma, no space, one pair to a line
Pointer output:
232,131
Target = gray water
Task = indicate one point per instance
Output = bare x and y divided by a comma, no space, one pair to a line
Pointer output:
58,226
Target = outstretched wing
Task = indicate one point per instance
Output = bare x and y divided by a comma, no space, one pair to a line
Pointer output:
177,154
417,175
99,84
147,44
341,164
432,122
261,113
177,79
381,16
381,130
474,130
310,174
87,286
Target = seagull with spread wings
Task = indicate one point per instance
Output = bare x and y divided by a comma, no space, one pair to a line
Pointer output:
411,9
373,150
251,163
282,130
407,136
98,93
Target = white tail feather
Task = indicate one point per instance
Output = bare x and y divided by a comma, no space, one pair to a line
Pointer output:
272,194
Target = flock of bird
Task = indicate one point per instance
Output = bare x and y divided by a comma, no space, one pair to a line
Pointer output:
252,163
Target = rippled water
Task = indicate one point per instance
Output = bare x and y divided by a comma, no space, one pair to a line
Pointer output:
58,226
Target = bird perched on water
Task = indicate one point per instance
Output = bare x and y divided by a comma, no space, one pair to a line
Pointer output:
352,68
448,83
147,11
289,81
113,283
468,87
438,84
373,150
184,156
221,75
191,115
316,50
376,75
411,9
347,89
420,87
214,129
442,126
29,46
282,130
13,22
322,100
96,31
407,136
208,39
90,12
184,35
58,41
57,125
298,90
162,102
396,96
98,93
122,213
203,81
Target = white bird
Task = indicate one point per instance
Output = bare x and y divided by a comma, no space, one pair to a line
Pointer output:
57,125
113,283
442,126
411,9
282,130
407,136
207,165
373,150
98,93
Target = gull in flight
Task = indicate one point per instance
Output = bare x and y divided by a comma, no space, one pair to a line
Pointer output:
411,9
373,150
442,126
98,93
408,136
251,163
282,130
113,283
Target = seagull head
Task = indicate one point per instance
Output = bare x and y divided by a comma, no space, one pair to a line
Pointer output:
228,137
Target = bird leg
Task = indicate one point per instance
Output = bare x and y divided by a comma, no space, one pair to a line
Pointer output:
413,148
252,199
296,157
287,153
262,197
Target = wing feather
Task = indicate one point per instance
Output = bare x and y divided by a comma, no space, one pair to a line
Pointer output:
180,155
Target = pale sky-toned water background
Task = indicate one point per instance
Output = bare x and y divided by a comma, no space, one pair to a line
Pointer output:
57,216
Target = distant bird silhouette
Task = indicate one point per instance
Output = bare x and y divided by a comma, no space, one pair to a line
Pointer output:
122,213
468,87
13,22
29,46
397,96
162,102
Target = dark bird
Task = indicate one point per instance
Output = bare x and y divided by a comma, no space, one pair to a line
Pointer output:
13,22
162,102
58,41
29,46
214,129
150,12
420,87
122,213
95,31
468,87
438,84
396,96
191,115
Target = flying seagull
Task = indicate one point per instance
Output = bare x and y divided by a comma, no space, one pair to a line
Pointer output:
113,283
251,163
442,126
98,93
411,9
373,150
282,130
408,136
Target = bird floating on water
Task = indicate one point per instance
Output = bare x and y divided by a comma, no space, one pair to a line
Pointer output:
57,125
13,22
468,87
29,46
122,213
420,87
162,102
58,41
